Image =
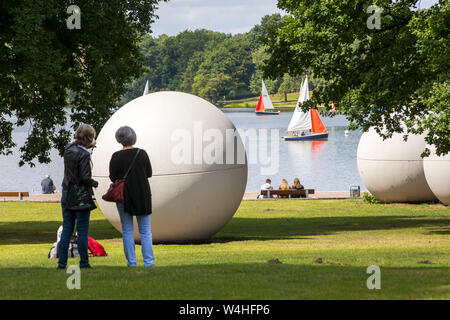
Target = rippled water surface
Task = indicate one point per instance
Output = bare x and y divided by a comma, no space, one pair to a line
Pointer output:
327,165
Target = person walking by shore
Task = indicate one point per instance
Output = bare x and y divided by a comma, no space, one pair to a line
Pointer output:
77,174
134,164
47,185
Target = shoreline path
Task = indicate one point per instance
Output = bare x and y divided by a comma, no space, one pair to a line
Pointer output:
56,197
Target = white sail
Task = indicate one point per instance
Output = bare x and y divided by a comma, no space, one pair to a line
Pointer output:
304,93
146,88
300,120
266,98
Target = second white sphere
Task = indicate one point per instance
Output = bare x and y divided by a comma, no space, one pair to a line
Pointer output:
392,169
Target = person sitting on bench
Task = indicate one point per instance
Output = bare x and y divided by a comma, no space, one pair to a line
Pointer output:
284,186
297,186
266,186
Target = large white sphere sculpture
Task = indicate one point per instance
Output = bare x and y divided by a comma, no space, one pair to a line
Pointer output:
437,173
392,170
194,192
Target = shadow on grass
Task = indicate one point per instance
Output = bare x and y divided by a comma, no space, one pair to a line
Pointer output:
35,232
224,281
287,228
440,231
238,229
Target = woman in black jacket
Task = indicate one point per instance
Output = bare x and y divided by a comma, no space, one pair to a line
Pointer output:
137,195
297,186
77,170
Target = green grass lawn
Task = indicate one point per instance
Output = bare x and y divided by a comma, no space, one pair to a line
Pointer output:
348,235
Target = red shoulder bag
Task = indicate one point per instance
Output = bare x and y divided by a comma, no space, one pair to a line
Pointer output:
115,191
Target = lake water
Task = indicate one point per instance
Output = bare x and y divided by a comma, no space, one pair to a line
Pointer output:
327,165
322,165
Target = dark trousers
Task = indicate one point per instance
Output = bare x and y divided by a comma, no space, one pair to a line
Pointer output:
81,218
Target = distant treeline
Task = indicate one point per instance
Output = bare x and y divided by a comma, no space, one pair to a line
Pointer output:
212,65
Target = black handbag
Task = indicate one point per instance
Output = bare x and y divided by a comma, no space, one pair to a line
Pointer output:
79,198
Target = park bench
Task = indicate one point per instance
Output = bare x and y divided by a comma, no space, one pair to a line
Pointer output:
19,194
289,192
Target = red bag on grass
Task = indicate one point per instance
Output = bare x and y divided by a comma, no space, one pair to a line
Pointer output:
96,248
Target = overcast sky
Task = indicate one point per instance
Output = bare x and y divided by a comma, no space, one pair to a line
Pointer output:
228,16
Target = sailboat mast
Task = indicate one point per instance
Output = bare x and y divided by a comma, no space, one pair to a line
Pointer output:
146,89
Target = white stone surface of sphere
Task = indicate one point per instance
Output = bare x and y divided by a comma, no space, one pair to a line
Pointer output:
191,200
392,169
437,173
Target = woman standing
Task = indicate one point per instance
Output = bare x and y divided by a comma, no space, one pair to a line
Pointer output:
137,195
77,171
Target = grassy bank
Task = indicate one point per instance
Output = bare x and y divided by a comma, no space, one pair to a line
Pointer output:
410,243
277,101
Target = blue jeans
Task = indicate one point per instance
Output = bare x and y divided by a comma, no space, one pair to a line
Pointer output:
69,218
128,237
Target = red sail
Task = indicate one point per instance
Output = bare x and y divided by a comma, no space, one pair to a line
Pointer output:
260,106
316,122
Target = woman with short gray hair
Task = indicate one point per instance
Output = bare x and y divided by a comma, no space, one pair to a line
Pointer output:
134,164
126,136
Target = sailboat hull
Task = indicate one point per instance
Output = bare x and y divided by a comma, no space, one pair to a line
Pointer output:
314,136
267,113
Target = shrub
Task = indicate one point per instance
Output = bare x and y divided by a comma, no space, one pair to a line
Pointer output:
370,198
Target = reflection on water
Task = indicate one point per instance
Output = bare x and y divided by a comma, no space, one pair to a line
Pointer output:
323,165
317,145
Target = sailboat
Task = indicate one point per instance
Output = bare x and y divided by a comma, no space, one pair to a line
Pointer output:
265,103
305,125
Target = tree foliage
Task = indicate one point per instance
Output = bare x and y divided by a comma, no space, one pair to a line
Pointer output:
225,70
42,60
394,77
210,64
258,57
288,84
